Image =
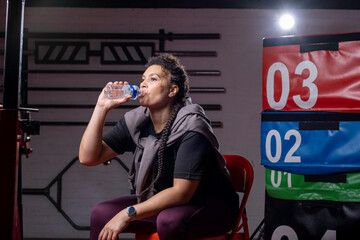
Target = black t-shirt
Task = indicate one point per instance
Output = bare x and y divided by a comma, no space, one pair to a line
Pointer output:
191,157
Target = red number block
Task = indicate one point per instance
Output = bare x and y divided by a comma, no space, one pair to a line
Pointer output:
312,73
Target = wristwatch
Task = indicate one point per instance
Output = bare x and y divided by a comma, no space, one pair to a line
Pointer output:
131,212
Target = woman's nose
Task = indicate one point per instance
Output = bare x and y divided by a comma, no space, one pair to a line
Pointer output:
143,84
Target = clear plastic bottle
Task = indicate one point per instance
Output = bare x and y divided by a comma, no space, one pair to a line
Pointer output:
113,91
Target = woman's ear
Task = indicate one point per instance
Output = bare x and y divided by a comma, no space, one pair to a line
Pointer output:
174,89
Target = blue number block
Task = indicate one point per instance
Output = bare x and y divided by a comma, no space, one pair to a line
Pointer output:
310,143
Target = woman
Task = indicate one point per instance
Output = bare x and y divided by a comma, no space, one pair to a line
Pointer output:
178,177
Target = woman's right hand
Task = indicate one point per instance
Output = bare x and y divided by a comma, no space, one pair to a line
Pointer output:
109,104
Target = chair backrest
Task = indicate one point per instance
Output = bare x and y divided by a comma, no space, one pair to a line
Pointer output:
242,177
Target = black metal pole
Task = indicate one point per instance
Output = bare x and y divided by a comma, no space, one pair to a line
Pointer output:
9,121
23,102
13,53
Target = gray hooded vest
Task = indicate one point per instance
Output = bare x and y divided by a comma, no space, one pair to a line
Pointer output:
191,117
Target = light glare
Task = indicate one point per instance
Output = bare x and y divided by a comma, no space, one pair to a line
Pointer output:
286,22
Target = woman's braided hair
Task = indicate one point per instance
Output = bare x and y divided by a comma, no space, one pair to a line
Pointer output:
178,76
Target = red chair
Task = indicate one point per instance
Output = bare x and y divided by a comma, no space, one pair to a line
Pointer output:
241,176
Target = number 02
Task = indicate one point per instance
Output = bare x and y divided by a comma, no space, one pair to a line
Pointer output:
278,146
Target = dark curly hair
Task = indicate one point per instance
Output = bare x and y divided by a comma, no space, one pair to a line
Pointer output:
179,77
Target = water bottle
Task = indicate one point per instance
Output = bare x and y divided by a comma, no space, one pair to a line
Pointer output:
113,91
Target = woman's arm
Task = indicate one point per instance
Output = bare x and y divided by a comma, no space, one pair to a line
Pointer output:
179,194
93,150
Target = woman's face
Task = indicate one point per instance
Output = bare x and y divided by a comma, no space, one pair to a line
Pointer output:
157,88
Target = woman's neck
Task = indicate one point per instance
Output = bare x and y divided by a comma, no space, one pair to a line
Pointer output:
160,118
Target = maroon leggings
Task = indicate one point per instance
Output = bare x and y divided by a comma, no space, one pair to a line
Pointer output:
207,217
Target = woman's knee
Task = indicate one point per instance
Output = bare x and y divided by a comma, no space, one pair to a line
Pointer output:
166,220
104,211
171,225
98,214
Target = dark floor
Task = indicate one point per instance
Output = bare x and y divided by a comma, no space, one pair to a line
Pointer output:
68,239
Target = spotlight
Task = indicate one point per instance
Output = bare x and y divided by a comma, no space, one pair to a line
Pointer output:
286,22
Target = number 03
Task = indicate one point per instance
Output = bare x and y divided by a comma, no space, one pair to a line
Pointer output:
285,84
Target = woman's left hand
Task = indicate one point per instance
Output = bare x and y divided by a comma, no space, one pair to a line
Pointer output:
115,226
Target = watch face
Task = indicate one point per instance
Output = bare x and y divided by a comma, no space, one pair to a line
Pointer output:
130,210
